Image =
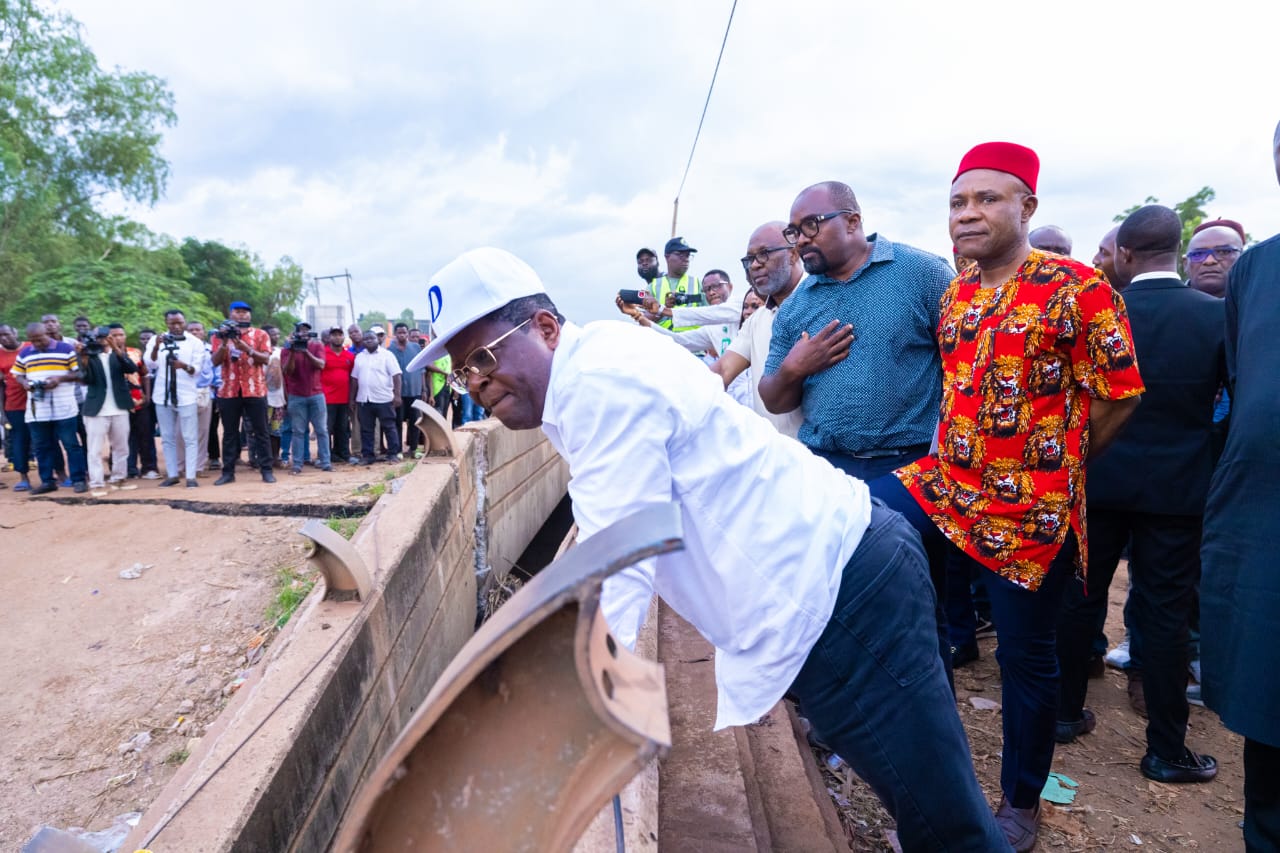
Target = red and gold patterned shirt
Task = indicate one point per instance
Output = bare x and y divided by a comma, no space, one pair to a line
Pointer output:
1020,364
241,376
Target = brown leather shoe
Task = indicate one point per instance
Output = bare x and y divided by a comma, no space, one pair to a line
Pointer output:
1137,699
1020,826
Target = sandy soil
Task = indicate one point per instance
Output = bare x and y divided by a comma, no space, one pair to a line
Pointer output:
90,660
1116,807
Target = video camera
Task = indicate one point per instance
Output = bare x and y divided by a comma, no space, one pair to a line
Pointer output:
688,298
228,330
37,388
170,342
299,339
93,340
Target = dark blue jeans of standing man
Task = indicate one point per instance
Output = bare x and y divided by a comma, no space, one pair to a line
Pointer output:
45,437
19,441
875,691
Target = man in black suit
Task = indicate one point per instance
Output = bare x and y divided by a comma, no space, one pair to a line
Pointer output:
1150,486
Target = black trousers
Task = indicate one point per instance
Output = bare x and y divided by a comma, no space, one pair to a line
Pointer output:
142,440
1261,797
339,424
1164,564
373,415
409,417
253,410
215,445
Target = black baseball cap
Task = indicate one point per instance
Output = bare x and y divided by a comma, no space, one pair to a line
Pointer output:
646,251
677,244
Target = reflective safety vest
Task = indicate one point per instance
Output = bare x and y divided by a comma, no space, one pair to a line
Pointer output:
661,286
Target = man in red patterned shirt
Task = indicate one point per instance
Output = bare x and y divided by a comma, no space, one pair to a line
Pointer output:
242,357
1038,372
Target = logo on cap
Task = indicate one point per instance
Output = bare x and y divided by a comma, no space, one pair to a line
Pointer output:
435,301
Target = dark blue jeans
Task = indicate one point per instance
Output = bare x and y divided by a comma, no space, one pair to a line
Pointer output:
876,692
19,441
45,437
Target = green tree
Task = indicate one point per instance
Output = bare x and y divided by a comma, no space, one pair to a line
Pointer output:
406,317
72,133
220,273
280,291
110,293
1190,210
373,318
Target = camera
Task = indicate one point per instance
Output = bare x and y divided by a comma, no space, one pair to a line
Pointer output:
92,341
37,388
299,339
170,342
687,298
229,330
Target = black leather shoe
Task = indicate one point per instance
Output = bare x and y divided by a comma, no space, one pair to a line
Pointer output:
44,488
1190,768
224,479
963,655
169,481
80,487
1068,732
268,477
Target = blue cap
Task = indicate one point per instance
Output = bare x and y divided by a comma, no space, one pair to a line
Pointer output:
677,244
244,305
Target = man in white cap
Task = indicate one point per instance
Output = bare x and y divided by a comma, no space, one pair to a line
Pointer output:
831,599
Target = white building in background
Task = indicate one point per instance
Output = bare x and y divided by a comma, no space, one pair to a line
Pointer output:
324,317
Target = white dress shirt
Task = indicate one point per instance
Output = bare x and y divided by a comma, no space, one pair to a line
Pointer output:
191,350
752,343
768,526
375,372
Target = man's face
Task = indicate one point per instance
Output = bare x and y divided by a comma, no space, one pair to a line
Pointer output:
241,315
774,275
1105,260
717,288
647,266
52,325
516,391
677,264
39,337
832,246
370,341
356,335
176,323
274,335
1209,274
81,326
8,338
402,336
196,328
415,336
989,214
117,337
144,338
335,338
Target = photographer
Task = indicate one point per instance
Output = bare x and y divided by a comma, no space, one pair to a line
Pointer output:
303,363
105,366
176,360
48,371
241,353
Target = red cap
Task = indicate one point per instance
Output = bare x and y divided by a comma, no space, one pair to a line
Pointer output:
1017,160
1224,223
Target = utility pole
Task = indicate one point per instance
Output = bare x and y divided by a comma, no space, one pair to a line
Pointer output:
344,274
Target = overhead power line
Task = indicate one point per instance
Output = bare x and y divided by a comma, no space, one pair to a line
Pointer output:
675,212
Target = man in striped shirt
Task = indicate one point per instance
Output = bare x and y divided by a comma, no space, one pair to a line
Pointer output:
49,372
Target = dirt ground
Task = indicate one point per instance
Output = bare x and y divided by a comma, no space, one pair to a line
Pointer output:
1116,807
91,660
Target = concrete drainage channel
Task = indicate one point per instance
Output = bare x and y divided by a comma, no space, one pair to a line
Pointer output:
279,768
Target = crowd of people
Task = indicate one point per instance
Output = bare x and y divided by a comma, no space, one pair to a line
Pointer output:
87,409
936,434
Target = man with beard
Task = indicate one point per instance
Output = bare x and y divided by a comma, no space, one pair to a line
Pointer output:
647,266
1039,374
663,288
854,345
829,599
1240,586
774,270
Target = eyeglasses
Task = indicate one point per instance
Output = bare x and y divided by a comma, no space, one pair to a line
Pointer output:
809,226
1222,253
480,361
761,257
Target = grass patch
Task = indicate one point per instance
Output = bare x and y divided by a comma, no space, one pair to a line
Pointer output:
389,476
177,757
292,587
344,527
372,490
406,467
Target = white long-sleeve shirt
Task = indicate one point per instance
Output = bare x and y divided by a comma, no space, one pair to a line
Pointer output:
191,350
768,526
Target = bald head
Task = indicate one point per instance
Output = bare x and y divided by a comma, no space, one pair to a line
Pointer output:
1148,241
1210,255
1050,238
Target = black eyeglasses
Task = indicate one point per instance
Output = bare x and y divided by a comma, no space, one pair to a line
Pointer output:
1222,253
480,361
761,257
809,226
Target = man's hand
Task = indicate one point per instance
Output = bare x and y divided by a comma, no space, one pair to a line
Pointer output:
651,305
397,401
53,382
814,355
630,310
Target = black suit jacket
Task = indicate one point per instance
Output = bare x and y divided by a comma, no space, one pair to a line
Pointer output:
1162,460
95,381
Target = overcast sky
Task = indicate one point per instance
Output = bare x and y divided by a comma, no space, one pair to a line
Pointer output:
386,137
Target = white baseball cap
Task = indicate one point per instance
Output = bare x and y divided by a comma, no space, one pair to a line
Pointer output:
470,286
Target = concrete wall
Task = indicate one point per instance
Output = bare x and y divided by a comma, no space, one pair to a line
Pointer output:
351,674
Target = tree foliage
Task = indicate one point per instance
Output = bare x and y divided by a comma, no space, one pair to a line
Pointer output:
71,133
1191,210
372,318
110,293
224,274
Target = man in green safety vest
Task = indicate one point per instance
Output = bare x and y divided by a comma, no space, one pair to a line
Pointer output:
663,290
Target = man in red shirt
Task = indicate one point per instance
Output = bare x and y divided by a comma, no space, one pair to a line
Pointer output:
241,353
302,362
1039,372
15,410
335,379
